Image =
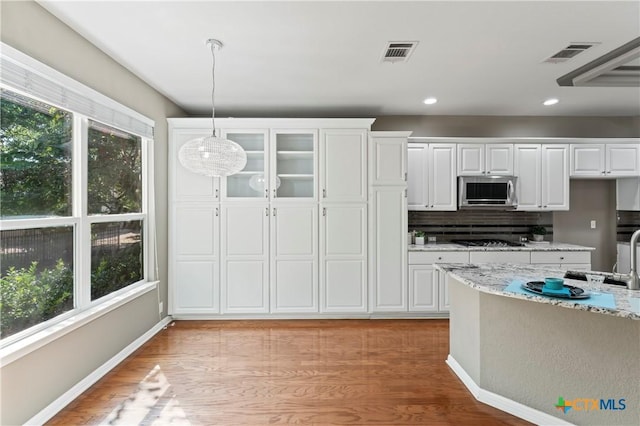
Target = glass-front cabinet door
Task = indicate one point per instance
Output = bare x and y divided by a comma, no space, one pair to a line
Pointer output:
294,164
252,182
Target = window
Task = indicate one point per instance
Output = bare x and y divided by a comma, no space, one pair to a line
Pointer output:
72,211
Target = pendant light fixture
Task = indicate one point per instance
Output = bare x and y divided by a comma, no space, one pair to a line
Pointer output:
212,155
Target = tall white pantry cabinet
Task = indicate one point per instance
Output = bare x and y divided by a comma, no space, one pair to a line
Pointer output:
287,236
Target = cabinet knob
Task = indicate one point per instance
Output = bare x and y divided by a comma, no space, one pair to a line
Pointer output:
266,211
439,257
217,211
324,193
274,211
216,193
608,171
561,257
266,193
274,193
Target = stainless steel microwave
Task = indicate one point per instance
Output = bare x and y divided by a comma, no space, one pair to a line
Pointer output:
487,192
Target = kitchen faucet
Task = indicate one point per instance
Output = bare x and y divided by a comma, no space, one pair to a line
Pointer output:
632,279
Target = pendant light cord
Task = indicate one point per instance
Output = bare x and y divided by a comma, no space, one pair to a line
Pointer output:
213,86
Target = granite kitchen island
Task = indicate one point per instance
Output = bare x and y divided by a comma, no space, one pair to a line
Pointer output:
522,352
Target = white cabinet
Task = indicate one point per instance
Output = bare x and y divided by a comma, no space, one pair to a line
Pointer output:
428,291
293,164
628,194
343,165
245,258
417,176
343,248
252,182
502,256
388,158
605,160
185,185
485,159
543,176
197,261
294,258
432,177
574,260
388,277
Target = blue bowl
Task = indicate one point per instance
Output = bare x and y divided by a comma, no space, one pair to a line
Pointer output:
554,283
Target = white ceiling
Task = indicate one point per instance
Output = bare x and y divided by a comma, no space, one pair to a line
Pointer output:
323,58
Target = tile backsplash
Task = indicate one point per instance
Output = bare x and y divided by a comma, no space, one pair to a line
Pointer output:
468,224
627,223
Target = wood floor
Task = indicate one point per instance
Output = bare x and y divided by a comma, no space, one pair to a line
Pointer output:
364,372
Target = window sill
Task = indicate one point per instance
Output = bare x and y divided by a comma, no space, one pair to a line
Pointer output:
22,347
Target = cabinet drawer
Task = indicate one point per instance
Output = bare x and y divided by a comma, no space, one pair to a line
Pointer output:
431,257
500,257
560,257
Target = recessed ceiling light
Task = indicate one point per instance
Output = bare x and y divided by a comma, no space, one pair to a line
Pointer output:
551,101
430,101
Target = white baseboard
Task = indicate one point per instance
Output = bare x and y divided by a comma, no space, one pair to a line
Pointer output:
500,402
52,409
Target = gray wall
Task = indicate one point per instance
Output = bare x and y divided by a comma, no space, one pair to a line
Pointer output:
30,384
590,199
494,126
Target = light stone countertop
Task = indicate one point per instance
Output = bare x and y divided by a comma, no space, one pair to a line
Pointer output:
527,247
495,277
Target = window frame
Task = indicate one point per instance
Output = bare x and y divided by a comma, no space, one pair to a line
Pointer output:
84,310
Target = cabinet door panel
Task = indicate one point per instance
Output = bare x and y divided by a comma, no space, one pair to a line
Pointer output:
294,286
389,157
423,290
295,230
527,165
417,176
345,230
196,231
343,157
253,181
390,249
471,159
555,177
196,287
294,262
623,160
499,159
245,230
442,177
189,186
587,160
345,286
246,285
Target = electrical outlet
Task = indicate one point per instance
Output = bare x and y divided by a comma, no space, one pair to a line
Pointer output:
160,307
593,224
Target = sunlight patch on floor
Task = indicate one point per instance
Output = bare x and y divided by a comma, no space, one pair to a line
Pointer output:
151,404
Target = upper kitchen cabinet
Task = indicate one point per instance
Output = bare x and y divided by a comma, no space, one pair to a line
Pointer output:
605,160
185,185
485,159
343,165
388,158
253,181
432,176
543,176
293,161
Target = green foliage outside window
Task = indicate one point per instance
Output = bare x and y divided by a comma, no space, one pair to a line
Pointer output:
29,297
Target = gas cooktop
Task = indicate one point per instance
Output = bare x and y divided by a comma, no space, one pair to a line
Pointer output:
488,242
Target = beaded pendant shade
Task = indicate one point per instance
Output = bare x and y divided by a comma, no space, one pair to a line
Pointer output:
212,155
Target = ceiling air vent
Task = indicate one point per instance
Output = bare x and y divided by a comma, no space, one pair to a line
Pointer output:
569,52
398,51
